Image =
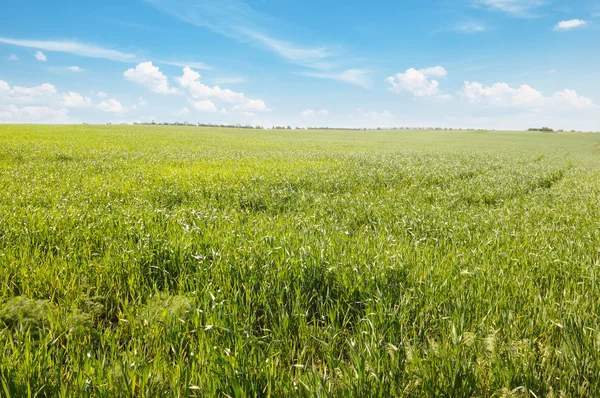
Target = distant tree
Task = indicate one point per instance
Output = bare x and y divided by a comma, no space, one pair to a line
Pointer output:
543,129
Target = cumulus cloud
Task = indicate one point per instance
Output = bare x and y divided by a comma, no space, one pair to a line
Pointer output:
251,105
502,95
29,113
230,80
40,56
75,69
75,100
570,24
102,94
204,106
310,112
13,57
40,103
181,112
20,95
43,103
436,71
190,81
150,76
570,98
419,83
373,114
111,106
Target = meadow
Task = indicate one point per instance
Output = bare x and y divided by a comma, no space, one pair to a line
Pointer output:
185,261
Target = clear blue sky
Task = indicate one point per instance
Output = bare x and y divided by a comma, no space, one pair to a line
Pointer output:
462,63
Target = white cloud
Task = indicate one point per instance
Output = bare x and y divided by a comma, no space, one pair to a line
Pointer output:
111,106
204,106
570,98
230,80
20,95
419,82
42,103
142,101
40,56
14,114
150,76
75,100
181,112
570,24
75,69
289,51
310,112
517,8
191,64
190,80
70,47
471,27
251,105
13,57
436,71
248,114
502,95
102,94
237,20
373,114
353,76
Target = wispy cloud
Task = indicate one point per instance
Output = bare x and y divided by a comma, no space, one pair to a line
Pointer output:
517,8
71,47
470,27
290,51
183,64
357,77
237,20
93,51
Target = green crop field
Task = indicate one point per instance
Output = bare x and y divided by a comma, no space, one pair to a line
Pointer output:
158,261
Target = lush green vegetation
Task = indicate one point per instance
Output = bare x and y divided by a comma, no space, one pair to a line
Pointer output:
184,261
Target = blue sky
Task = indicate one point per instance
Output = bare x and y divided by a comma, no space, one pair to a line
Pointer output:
505,64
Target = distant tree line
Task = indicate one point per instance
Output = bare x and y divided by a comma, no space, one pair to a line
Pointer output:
257,127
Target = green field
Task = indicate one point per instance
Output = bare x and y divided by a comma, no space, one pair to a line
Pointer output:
182,261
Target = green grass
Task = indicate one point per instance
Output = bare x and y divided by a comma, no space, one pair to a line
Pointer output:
181,261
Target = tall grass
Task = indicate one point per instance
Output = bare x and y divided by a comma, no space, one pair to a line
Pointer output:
165,261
